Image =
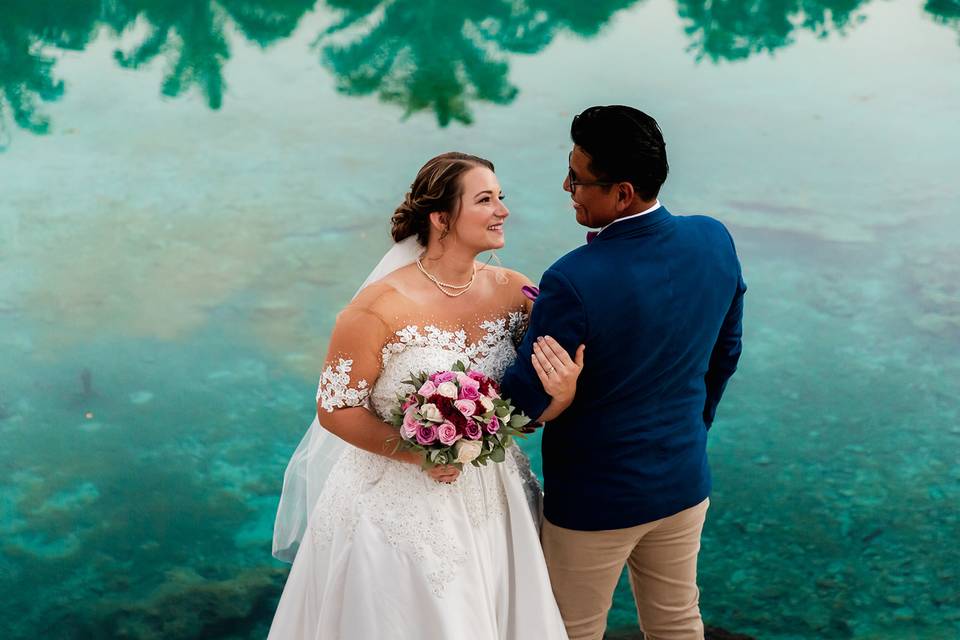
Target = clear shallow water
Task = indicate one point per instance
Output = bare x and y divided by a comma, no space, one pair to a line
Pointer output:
190,193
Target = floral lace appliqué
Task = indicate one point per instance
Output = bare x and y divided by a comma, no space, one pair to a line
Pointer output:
334,390
494,333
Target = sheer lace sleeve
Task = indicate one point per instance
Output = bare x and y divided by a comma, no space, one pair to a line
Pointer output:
353,359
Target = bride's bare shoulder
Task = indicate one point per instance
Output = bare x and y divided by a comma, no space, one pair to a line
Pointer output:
390,299
509,285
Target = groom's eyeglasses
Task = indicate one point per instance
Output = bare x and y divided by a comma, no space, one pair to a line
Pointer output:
574,183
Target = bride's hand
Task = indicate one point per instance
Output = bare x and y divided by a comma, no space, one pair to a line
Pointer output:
556,370
446,474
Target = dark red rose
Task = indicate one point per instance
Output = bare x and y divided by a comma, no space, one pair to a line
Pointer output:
460,422
447,409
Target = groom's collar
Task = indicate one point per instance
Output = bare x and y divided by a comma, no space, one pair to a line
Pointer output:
656,205
637,223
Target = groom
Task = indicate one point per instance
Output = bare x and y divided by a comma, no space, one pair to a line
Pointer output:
657,299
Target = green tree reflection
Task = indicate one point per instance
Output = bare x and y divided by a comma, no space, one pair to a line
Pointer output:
441,57
26,62
736,30
945,12
191,36
421,55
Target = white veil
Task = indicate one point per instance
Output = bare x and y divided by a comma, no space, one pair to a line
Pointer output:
319,449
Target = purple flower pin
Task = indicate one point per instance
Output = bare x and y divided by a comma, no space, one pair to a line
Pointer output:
530,291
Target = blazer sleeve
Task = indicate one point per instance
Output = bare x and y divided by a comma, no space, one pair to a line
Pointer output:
558,312
726,350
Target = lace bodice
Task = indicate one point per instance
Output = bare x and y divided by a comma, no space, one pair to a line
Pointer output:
416,349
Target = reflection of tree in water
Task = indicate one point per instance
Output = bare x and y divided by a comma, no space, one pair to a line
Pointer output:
419,54
735,30
191,36
26,72
945,12
440,56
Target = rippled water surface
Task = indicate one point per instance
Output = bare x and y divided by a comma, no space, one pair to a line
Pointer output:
190,190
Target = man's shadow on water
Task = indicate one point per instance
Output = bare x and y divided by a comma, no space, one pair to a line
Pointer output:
422,56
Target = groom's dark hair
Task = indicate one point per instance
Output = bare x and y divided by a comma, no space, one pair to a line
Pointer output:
624,145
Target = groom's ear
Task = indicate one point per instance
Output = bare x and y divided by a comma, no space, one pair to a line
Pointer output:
625,195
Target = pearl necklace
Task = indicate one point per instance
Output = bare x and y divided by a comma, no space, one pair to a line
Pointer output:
443,286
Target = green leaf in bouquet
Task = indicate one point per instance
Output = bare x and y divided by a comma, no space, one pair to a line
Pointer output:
459,366
502,411
519,420
506,441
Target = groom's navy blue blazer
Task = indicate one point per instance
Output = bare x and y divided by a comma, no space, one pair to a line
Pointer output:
658,302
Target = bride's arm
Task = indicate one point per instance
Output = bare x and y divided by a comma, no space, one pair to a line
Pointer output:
352,368
361,428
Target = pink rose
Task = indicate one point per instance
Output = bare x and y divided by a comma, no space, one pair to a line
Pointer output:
470,392
426,434
465,380
466,407
472,430
409,402
410,424
476,375
447,433
493,426
443,376
428,389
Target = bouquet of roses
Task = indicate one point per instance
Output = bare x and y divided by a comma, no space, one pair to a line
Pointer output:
455,417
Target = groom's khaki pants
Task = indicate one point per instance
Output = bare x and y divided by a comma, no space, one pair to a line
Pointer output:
585,567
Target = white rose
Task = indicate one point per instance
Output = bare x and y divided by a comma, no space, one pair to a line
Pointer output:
431,412
467,450
448,390
486,403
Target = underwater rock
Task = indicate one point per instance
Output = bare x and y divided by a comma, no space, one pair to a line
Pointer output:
188,606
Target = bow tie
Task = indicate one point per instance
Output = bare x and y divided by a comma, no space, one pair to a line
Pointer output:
591,235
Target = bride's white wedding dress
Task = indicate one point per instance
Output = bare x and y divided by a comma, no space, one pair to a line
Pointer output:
390,553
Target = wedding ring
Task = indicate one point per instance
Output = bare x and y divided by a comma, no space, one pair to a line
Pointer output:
550,371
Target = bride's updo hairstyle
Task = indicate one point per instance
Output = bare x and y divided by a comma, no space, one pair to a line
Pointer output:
437,187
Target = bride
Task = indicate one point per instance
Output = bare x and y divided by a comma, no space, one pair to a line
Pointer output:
380,548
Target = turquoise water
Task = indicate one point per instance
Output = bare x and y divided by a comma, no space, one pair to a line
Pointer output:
189,192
